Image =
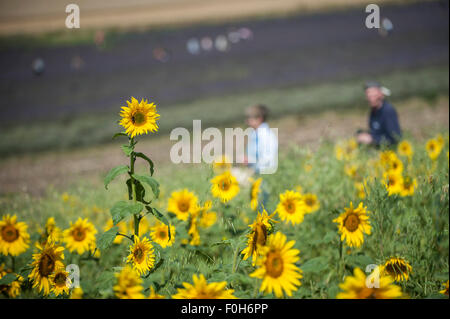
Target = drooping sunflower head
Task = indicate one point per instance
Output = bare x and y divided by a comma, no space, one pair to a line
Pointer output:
80,236
60,282
53,233
254,193
408,186
291,207
445,290
312,204
223,163
160,234
433,148
141,255
352,225
182,203
356,287
14,238
201,289
393,183
45,263
129,284
206,217
225,187
139,117
405,149
257,238
398,268
276,266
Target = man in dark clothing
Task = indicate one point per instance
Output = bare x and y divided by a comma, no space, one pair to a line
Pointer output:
384,127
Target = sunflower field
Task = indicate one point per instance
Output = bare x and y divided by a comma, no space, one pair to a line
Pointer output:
340,221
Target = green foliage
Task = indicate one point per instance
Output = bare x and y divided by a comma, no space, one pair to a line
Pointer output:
114,172
123,209
107,238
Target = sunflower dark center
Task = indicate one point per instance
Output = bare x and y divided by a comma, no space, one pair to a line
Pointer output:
289,205
46,265
260,235
162,234
10,233
274,264
138,254
60,279
309,201
351,222
224,185
79,234
183,206
138,118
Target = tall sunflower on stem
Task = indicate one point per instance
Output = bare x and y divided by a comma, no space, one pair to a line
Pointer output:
137,118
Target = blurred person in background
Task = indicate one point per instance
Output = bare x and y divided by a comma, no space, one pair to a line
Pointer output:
262,148
384,127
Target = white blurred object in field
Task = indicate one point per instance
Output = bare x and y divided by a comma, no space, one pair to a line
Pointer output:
221,43
386,27
38,66
242,175
207,43
234,37
193,46
245,33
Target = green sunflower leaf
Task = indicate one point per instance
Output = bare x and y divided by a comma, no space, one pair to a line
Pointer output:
114,172
153,183
315,265
119,134
127,149
159,216
7,279
123,209
150,162
107,238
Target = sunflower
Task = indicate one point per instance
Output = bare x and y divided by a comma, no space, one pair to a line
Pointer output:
254,193
193,228
141,255
129,284
433,148
445,291
356,288
393,183
52,232
201,289
139,118
207,218
12,290
257,237
222,163
154,295
291,207
182,203
311,203
346,150
224,186
77,293
122,229
440,140
398,268
395,166
351,170
61,282
352,224
405,149
14,238
408,186
360,190
160,234
80,237
45,262
277,266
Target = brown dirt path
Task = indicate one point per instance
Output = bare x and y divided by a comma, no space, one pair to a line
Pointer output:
34,173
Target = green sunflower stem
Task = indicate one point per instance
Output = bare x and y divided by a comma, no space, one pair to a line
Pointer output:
235,258
133,187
